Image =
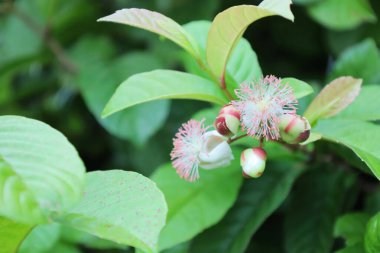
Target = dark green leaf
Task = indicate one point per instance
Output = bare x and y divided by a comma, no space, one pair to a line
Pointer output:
257,200
317,201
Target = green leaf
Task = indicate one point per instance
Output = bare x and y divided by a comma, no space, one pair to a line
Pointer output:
306,2
300,88
334,97
41,239
242,66
257,200
366,105
229,26
362,137
360,61
98,79
194,207
156,23
77,237
352,227
124,207
317,201
338,15
372,235
163,84
44,174
11,235
358,248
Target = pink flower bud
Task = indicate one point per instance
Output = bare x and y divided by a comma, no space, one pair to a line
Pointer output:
253,162
228,121
294,129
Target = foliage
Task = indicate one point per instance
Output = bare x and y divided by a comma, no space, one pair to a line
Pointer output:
94,95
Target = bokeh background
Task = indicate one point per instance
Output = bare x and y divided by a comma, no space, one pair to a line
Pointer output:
60,66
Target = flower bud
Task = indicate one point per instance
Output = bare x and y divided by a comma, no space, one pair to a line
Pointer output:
294,129
215,152
253,161
228,121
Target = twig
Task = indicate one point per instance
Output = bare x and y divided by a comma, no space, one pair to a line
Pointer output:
54,46
236,138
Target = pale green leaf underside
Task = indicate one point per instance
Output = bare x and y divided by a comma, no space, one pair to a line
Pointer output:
342,15
334,97
163,84
362,137
229,26
41,239
124,207
156,23
45,173
300,88
195,206
11,235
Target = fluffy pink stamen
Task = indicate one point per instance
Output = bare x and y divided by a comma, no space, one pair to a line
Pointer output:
188,143
262,103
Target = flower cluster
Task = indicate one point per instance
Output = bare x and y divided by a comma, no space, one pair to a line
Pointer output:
265,110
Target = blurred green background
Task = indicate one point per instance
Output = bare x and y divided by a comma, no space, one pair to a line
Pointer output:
60,66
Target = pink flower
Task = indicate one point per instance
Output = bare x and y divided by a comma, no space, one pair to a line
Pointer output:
261,105
194,148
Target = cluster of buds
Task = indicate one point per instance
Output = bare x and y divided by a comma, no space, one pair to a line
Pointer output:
265,110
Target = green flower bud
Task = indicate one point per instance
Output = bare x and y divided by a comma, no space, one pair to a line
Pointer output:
253,162
294,129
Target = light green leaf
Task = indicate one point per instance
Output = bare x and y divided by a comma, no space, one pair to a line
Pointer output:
372,235
333,98
366,105
300,88
45,174
156,23
242,66
342,15
77,237
362,137
352,227
194,207
229,26
41,239
98,79
318,199
163,84
64,248
257,200
124,207
360,61
11,235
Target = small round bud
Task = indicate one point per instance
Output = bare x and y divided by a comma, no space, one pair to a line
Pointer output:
228,121
253,162
294,129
